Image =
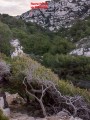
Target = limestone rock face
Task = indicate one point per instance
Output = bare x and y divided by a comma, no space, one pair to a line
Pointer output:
18,48
82,47
60,13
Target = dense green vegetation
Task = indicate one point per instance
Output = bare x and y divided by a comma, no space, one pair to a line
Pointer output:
19,67
79,30
5,36
69,67
34,38
51,49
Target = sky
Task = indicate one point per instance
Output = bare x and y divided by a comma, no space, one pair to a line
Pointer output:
15,7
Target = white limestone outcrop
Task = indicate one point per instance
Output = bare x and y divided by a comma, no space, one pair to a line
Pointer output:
18,50
82,47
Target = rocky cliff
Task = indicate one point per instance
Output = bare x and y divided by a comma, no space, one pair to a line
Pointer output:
60,13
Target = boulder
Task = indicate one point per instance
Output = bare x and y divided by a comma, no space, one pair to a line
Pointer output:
6,112
62,113
14,98
1,103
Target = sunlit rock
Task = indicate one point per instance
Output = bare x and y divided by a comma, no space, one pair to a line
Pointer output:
18,50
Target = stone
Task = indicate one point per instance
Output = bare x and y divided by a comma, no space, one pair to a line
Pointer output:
41,119
1,102
72,118
53,118
14,97
61,13
18,49
61,113
6,112
10,98
77,118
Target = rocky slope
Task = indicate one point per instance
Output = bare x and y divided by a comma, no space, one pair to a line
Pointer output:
82,47
18,112
60,13
19,116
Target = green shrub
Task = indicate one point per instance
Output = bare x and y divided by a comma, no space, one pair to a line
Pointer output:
67,88
2,117
5,37
23,64
69,67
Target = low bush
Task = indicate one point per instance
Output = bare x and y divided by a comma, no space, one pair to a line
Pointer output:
2,117
20,68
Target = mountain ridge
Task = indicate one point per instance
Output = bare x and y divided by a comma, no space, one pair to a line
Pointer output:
62,13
